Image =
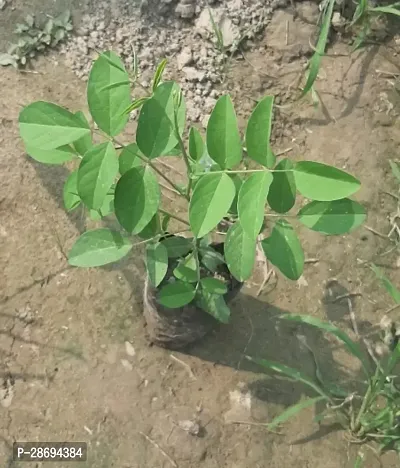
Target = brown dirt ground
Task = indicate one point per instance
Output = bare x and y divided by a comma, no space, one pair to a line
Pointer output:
65,373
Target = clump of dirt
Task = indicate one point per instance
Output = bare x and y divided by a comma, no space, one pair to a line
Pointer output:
196,61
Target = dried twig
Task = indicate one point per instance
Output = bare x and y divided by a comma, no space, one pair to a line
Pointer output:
287,32
311,260
169,189
346,296
247,344
352,316
186,366
287,150
379,234
159,448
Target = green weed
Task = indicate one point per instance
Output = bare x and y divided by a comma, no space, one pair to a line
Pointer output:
34,39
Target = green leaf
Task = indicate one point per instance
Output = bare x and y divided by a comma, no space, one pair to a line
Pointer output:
283,249
96,174
98,247
70,192
282,193
293,374
395,169
108,93
156,262
187,270
106,208
135,105
322,182
258,133
351,345
315,61
85,143
213,285
196,144
54,156
176,295
293,410
359,461
158,74
251,202
388,285
240,252
211,200
8,59
238,185
213,304
386,10
223,139
210,258
332,218
178,246
152,229
361,9
155,133
165,222
137,198
46,126
129,158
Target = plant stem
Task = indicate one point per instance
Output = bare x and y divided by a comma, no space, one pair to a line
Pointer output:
365,403
146,241
362,409
184,153
174,216
274,215
155,169
242,171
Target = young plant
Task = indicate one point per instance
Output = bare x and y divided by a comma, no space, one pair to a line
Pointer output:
365,14
34,40
373,414
114,179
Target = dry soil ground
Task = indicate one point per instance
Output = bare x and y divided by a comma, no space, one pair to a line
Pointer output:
66,371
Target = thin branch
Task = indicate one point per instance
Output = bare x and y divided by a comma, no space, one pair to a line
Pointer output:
174,216
379,234
154,444
155,168
186,366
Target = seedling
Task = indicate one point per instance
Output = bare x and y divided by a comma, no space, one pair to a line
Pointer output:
374,413
34,40
362,18
127,183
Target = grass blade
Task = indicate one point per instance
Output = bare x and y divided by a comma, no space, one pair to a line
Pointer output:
393,360
389,10
361,9
359,461
351,345
389,286
158,74
320,49
293,410
290,372
135,105
395,169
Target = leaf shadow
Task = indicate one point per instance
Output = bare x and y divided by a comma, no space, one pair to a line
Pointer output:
257,331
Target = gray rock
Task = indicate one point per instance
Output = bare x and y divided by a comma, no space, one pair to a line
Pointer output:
185,58
186,11
192,74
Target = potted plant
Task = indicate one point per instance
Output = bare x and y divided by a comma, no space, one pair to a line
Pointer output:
191,273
